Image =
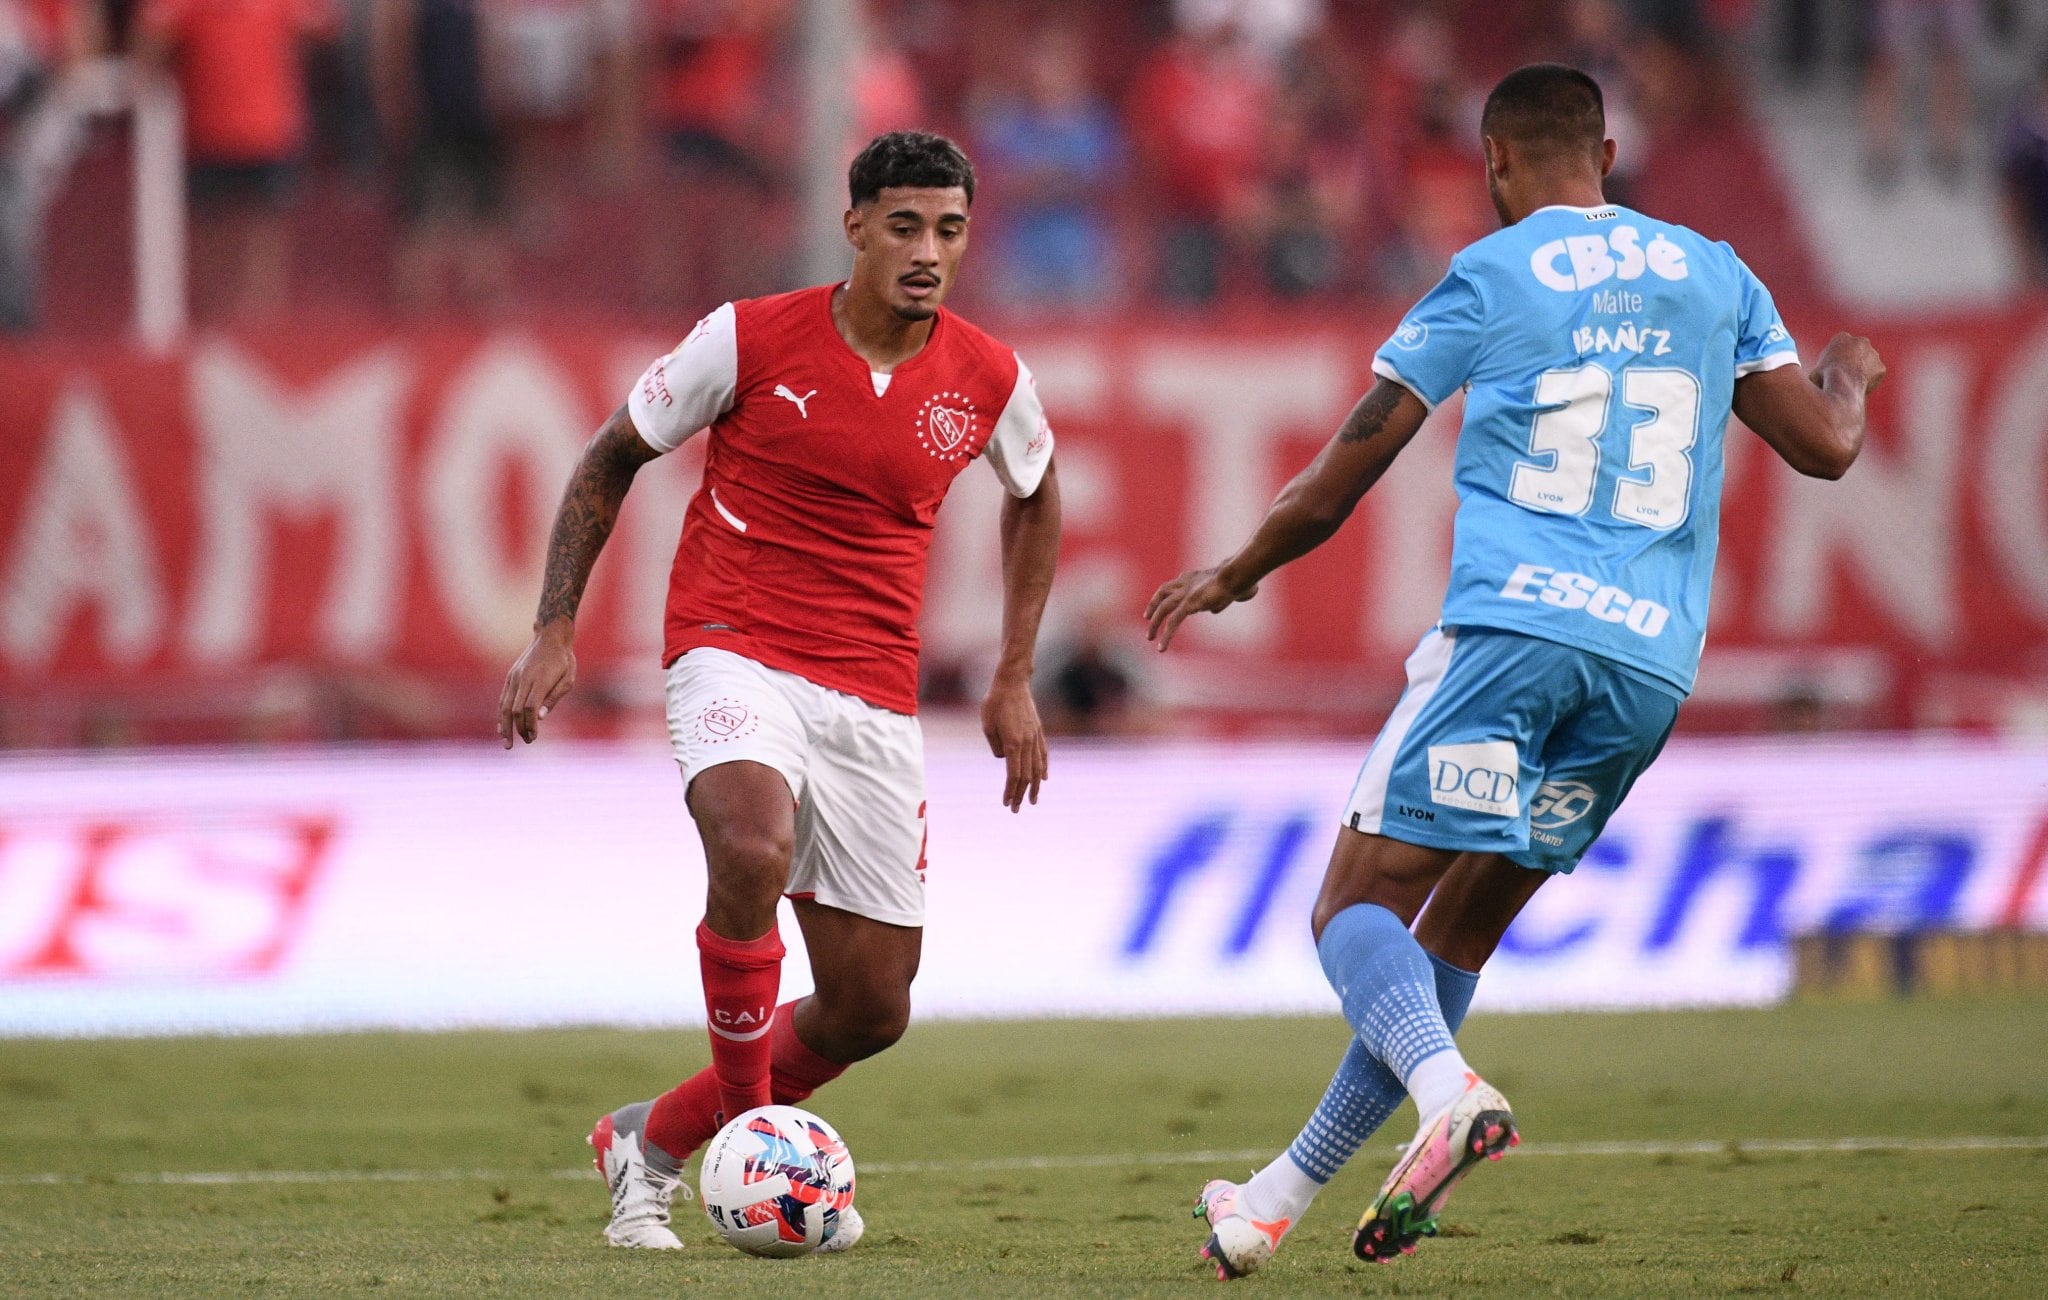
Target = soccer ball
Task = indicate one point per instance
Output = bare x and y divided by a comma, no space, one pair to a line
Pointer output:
775,1180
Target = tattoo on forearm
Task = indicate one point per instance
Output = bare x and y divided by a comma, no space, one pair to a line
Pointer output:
1370,416
588,511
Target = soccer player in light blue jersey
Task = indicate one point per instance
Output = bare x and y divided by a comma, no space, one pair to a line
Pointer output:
1601,352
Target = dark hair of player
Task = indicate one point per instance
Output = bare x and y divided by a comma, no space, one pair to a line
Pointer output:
1548,111
915,160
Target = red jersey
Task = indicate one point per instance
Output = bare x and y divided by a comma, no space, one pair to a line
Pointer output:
804,548
238,65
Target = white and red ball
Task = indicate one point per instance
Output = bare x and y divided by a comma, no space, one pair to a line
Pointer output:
775,1181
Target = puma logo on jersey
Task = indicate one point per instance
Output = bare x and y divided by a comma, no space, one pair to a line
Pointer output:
783,390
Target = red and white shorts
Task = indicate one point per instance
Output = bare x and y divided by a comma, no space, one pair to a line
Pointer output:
855,771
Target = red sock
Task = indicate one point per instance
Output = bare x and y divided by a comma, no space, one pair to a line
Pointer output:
685,1117
740,980
795,1070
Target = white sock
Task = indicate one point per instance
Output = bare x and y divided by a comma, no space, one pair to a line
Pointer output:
1437,1081
1282,1190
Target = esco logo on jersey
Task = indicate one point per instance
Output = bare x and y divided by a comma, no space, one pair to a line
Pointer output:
1582,261
945,426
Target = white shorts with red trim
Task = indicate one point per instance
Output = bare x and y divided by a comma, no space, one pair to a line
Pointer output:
855,772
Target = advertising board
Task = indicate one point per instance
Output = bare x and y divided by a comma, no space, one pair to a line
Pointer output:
162,892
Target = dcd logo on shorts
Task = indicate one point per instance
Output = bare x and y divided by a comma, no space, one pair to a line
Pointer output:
1479,777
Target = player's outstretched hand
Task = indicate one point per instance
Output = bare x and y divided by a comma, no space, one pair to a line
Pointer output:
1195,592
1856,354
1009,718
540,677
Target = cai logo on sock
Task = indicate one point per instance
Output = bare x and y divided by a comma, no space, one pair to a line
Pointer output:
1480,777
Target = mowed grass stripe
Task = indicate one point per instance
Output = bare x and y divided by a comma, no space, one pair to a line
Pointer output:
1006,1164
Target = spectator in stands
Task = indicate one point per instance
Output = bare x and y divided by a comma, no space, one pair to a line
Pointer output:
1093,683
1439,210
1050,153
434,86
238,66
1942,33
886,93
725,128
1599,43
1308,215
1198,113
2023,175
553,102
1294,216
37,39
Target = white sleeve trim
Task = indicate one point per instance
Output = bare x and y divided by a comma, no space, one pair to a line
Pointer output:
1770,362
690,387
1385,370
1021,446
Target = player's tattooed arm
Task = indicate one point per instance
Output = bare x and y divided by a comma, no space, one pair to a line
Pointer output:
1009,716
590,508
1308,511
1370,416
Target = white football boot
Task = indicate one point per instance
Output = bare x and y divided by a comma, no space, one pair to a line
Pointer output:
1238,1244
641,1192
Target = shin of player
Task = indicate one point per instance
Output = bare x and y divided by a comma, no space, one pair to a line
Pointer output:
1589,479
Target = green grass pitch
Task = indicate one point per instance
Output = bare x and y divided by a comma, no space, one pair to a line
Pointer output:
480,1140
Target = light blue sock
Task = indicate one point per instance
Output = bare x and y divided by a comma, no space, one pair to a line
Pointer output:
1387,987
1364,1093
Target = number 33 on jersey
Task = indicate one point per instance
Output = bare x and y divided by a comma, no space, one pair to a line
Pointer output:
1589,466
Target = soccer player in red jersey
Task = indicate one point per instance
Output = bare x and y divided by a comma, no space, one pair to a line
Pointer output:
838,416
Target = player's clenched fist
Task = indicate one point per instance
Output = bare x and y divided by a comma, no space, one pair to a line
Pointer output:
540,677
1198,591
1856,354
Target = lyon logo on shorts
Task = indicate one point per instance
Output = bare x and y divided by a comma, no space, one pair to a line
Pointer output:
726,719
946,424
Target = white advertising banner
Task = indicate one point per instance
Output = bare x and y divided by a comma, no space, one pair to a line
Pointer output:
166,892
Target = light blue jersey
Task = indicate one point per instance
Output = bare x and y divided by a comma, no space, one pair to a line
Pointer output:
1599,349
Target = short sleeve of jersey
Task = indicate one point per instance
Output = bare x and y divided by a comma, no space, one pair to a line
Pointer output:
1021,446
1434,351
690,387
1761,340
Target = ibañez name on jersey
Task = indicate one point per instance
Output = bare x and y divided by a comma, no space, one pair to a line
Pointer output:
1599,350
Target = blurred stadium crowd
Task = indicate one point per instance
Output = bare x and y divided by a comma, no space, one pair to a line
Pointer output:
1278,177
509,156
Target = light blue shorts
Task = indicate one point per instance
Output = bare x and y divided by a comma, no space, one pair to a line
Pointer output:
1506,743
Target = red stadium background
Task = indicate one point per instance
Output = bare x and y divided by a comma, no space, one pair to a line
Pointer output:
361,513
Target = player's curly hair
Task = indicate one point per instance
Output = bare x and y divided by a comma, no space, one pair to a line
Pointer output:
1548,109
909,159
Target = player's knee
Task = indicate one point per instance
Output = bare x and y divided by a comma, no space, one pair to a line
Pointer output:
1325,911
749,855
862,1029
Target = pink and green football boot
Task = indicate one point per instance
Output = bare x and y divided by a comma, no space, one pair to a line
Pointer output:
1477,1126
